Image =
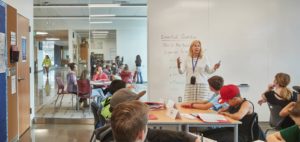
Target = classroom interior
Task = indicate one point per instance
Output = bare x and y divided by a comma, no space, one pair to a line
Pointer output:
253,39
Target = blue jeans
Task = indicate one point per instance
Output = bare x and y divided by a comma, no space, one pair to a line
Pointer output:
98,93
139,78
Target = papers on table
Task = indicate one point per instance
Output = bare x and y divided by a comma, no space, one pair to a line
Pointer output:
212,117
155,105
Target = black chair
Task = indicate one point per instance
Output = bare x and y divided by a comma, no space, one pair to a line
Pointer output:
296,93
276,122
99,120
256,132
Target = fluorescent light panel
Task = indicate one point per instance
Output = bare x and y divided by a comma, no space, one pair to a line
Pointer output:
41,33
101,22
100,32
52,39
60,6
103,15
104,5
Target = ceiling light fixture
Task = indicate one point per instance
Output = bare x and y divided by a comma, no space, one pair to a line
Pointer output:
100,32
101,22
103,15
104,5
41,33
52,39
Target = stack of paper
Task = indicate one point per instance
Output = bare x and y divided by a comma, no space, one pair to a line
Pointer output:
212,117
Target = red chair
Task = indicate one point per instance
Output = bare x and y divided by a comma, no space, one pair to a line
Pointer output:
83,91
61,90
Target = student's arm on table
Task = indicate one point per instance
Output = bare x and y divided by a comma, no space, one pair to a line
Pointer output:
197,105
275,137
285,111
240,114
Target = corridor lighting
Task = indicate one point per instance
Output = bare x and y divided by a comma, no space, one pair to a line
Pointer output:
100,32
104,5
52,39
103,15
41,33
101,22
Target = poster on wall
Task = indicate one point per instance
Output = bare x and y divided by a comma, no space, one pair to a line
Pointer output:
13,39
23,49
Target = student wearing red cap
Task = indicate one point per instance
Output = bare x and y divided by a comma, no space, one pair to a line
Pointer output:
239,109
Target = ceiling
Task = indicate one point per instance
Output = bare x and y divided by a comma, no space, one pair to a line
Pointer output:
50,13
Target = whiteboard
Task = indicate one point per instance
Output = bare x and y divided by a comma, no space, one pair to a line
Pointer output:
254,39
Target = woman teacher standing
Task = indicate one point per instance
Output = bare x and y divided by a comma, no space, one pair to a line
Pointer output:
196,67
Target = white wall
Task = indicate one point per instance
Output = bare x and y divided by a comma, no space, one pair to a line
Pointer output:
132,42
25,8
107,46
254,39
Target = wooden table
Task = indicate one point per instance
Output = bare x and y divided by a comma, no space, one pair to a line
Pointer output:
163,119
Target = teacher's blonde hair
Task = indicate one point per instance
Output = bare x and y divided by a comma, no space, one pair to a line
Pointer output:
191,51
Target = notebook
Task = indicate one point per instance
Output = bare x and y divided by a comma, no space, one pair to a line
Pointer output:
212,117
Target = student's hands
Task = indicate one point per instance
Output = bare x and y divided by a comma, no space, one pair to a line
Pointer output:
178,62
186,105
261,101
223,113
271,86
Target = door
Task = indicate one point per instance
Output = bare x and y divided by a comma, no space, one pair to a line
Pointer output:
23,74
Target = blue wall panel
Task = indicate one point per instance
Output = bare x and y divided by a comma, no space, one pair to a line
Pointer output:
3,97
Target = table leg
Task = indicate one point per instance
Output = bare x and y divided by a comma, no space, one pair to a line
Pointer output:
236,129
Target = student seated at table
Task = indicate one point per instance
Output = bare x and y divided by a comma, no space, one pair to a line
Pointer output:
71,79
96,92
215,84
105,104
290,134
129,123
100,75
239,109
278,94
126,75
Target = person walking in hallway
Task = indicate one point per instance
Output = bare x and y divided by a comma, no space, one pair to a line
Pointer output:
46,64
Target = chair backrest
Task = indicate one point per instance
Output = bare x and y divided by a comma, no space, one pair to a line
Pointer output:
256,132
275,119
294,96
59,82
95,109
83,87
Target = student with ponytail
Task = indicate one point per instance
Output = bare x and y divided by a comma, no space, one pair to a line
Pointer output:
278,94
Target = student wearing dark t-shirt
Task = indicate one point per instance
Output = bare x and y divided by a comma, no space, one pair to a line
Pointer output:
278,94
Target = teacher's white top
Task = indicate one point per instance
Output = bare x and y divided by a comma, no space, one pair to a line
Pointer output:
202,69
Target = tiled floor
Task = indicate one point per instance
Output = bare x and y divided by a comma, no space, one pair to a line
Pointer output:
58,133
